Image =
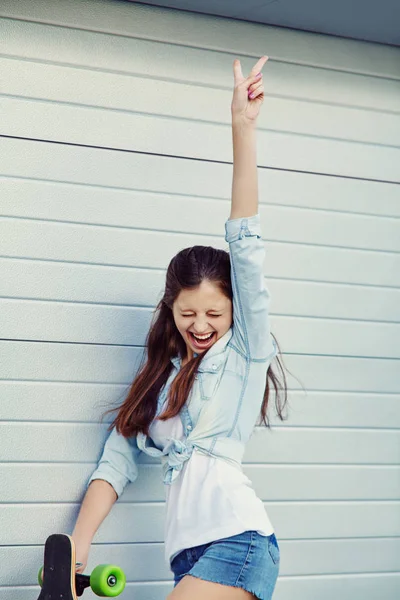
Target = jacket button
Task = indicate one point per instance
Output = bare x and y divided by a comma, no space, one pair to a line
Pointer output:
214,367
189,427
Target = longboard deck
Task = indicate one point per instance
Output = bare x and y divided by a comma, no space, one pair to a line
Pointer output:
59,569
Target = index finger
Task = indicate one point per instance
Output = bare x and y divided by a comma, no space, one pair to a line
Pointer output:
259,65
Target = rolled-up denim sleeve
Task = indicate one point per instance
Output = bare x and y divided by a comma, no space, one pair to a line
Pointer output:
117,464
251,298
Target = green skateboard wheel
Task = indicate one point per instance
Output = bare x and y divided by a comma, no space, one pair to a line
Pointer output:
107,580
40,576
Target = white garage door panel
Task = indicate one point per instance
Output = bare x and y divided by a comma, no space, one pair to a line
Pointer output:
92,324
337,338
65,401
44,280
85,283
125,170
324,445
145,133
40,361
128,208
306,482
292,520
65,322
145,521
200,30
185,101
70,442
135,247
343,373
69,362
86,403
71,483
334,300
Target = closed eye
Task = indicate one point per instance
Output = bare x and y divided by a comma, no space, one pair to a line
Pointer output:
209,315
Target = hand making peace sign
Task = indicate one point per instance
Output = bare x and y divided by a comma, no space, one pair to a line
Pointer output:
243,105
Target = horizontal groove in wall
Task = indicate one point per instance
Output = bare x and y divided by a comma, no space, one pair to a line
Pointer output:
128,383
197,159
190,120
343,575
274,426
320,355
265,502
157,465
294,392
328,576
288,577
260,465
293,540
149,503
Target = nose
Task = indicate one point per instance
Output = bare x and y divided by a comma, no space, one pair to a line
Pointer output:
201,327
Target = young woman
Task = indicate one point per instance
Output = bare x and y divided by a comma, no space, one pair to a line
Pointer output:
198,395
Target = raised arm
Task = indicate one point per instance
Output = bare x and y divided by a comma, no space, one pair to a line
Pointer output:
251,329
245,111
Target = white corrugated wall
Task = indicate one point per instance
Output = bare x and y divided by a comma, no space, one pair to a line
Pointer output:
117,154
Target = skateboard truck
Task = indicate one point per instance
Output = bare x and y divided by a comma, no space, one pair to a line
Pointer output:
83,581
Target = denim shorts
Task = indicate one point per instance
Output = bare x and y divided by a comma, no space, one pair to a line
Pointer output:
248,560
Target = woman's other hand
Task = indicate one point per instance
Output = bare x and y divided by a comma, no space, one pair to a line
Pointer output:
248,94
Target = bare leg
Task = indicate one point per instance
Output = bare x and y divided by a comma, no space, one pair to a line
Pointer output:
192,588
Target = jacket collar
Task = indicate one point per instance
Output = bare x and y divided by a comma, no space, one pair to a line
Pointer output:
214,358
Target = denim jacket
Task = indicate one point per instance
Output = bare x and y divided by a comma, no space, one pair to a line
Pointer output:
225,401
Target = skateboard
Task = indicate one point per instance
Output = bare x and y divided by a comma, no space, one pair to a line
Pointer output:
61,582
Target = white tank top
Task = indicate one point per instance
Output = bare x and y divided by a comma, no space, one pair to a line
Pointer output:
210,499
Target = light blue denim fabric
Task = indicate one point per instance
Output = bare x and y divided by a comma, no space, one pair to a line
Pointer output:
247,560
227,394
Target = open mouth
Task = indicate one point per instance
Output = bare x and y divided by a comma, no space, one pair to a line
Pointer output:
202,343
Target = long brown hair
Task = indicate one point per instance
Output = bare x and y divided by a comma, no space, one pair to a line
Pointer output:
186,270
